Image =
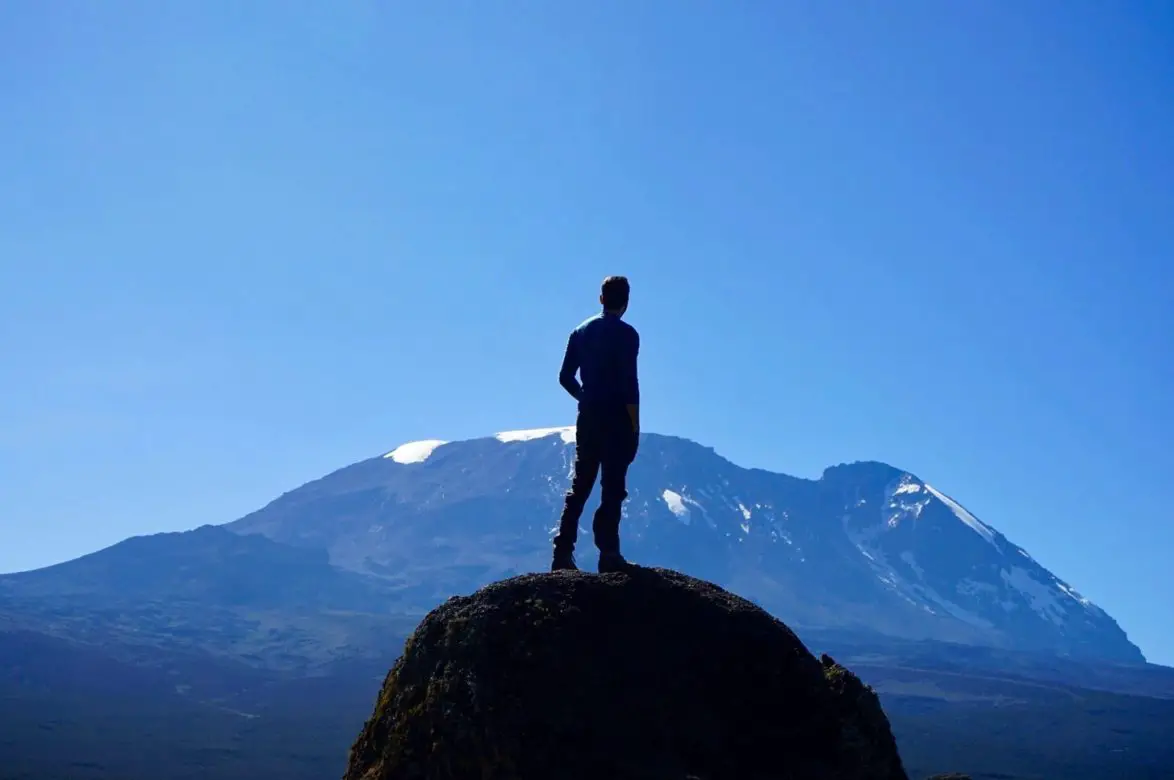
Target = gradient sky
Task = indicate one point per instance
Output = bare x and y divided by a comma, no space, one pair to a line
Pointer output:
242,245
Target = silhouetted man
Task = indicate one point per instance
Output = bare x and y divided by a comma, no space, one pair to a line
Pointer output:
603,351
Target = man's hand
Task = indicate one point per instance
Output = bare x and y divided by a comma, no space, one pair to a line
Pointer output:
566,374
634,416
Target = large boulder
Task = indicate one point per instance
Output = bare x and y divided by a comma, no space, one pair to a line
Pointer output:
649,674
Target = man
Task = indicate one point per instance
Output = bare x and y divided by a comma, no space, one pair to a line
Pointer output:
603,351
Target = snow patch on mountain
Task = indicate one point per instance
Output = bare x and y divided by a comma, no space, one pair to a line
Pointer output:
566,433
899,506
773,521
1042,599
414,451
862,540
975,524
677,505
1071,592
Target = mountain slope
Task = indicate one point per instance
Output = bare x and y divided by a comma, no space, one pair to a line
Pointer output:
866,546
209,591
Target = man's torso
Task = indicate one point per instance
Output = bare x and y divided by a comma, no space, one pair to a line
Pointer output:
603,344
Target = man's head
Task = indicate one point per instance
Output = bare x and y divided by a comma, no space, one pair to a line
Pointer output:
614,294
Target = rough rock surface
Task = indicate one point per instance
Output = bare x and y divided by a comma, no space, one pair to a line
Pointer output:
649,674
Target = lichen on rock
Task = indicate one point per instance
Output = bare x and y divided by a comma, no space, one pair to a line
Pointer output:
643,675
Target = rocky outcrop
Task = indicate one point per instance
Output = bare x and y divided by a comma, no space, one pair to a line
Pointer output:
648,674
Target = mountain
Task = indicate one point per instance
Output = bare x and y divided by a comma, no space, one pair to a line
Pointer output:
258,647
212,593
865,547
338,569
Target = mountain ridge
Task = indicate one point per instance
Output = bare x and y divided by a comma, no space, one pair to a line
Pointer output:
943,572
865,547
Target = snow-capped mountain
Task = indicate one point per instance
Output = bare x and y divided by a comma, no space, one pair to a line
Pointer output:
867,546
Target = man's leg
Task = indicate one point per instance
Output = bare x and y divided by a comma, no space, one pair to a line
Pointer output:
586,468
618,452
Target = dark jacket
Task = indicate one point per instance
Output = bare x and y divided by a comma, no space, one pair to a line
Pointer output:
603,350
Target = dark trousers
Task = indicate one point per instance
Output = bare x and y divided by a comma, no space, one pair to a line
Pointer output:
604,441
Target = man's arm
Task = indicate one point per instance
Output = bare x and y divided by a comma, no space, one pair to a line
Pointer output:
632,379
566,375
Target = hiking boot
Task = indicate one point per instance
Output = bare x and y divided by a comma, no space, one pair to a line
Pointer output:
610,562
563,561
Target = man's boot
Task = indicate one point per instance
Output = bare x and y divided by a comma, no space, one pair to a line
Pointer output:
564,560
611,561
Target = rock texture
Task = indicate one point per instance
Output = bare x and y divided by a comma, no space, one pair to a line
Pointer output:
648,674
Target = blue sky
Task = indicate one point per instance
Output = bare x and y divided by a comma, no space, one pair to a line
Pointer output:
245,244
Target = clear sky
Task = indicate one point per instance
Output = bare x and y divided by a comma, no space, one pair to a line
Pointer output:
244,244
